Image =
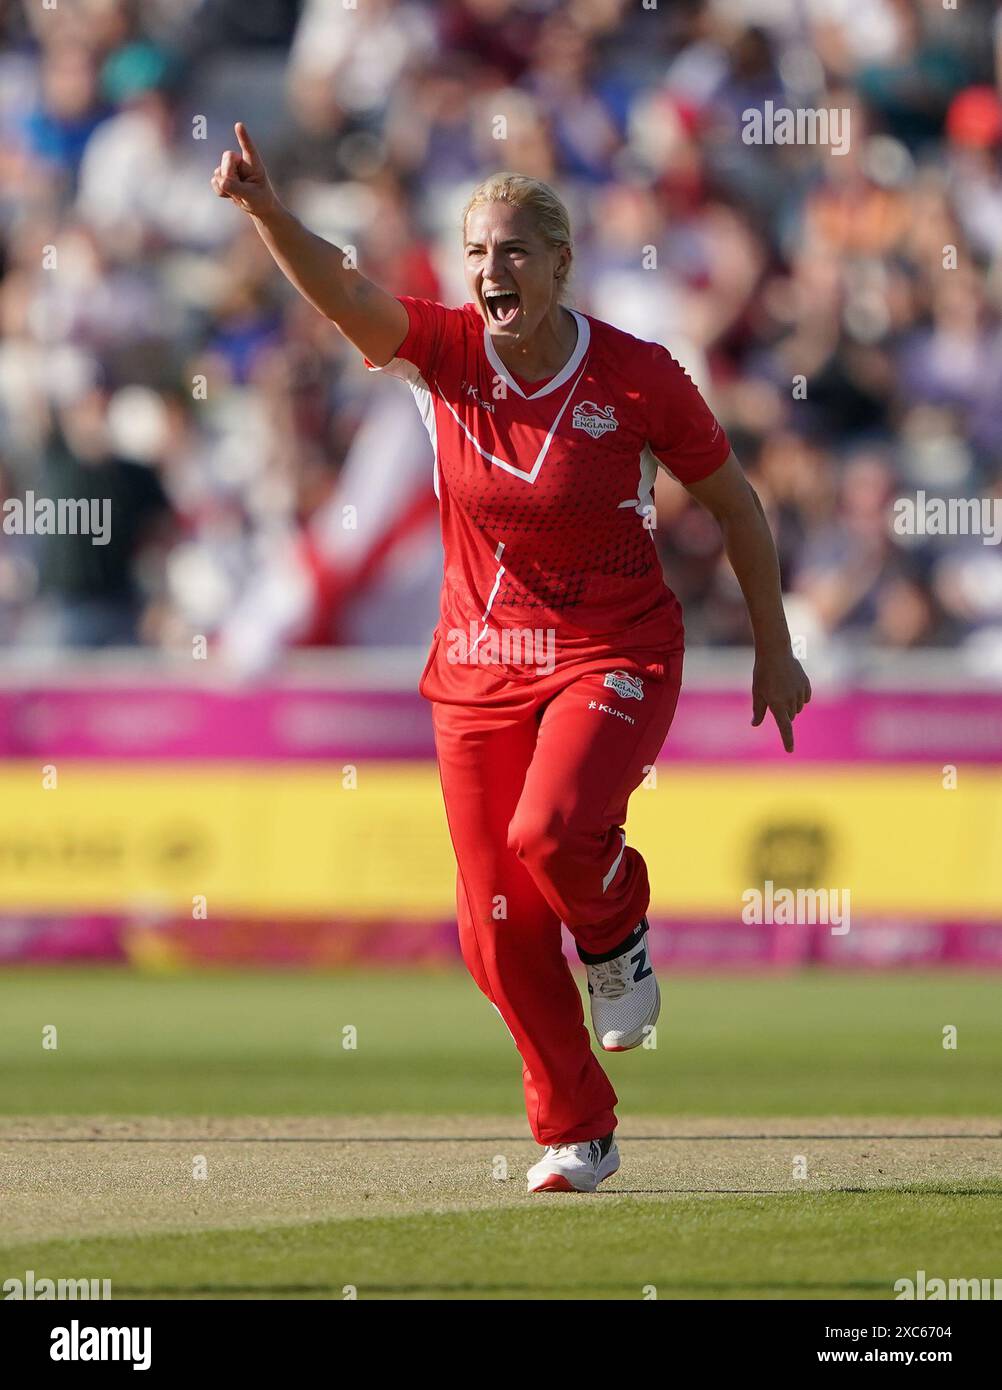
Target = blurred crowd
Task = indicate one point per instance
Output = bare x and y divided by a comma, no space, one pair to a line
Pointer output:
840,311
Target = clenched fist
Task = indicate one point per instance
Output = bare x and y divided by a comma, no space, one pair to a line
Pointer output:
243,178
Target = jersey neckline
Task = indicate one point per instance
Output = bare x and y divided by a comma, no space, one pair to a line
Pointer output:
565,373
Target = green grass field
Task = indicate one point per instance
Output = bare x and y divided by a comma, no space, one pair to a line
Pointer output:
395,1167
257,1044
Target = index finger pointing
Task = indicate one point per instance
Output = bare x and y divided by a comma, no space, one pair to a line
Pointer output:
247,146
785,726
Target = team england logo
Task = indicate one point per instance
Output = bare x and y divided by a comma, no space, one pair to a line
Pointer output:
625,685
597,420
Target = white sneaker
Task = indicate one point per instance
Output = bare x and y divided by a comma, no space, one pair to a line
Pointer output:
575,1167
625,999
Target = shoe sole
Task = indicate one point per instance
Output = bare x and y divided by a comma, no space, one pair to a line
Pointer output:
648,1023
556,1182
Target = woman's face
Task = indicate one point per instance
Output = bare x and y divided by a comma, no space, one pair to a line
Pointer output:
513,275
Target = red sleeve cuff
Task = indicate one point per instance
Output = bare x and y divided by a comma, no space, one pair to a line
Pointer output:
694,470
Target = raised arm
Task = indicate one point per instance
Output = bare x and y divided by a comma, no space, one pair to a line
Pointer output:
779,683
367,316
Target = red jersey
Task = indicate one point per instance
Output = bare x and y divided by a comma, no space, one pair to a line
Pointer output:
546,496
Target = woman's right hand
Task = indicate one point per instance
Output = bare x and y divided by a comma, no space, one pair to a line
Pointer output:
376,322
243,178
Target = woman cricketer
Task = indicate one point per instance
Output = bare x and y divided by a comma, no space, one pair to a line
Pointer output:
556,664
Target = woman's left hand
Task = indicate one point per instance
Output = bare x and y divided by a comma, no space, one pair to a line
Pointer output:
779,684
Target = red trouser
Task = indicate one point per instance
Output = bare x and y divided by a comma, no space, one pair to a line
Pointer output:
536,787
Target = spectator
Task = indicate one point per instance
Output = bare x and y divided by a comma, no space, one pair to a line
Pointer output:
839,310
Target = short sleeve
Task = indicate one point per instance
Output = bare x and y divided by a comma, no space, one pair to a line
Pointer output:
684,434
431,328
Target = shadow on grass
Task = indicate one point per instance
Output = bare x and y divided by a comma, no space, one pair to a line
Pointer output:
336,1291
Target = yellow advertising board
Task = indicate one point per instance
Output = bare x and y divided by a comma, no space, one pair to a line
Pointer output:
307,841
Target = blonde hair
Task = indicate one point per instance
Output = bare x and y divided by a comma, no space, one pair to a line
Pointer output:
538,198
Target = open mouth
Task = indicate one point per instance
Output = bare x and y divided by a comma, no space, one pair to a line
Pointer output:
502,305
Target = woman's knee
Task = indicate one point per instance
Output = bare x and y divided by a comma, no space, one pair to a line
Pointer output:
537,834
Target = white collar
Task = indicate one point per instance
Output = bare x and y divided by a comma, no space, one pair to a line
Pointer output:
566,371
